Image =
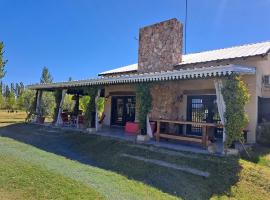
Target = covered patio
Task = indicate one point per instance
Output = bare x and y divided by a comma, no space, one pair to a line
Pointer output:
187,105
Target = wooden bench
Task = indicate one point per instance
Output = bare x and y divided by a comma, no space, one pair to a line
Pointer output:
203,140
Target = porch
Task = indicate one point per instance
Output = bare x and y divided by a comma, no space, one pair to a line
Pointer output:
187,100
118,133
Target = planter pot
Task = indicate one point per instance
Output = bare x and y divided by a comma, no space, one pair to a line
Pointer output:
143,132
143,138
91,130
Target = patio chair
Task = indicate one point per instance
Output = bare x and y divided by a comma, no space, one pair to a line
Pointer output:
81,119
65,119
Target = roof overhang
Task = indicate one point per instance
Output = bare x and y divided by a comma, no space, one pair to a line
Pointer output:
182,74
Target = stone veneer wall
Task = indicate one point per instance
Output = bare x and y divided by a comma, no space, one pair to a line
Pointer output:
160,46
169,100
166,101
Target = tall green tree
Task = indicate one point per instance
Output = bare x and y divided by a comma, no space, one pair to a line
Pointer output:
48,99
2,74
2,100
2,61
10,98
7,91
26,101
46,77
19,88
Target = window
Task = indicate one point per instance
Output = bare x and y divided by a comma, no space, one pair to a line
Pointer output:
266,80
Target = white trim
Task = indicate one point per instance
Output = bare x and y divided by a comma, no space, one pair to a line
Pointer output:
59,120
182,74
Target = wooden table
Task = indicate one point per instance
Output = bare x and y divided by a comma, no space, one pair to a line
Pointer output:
201,140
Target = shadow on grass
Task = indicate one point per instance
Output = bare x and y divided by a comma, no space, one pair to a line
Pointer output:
259,154
106,153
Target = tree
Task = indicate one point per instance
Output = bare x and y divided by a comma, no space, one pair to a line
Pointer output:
19,89
2,100
3,62
10,98
48,100
46,76
26,101
68,103
84,103
7,91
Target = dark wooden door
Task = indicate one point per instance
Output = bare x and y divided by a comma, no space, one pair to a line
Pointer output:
202,108
123,110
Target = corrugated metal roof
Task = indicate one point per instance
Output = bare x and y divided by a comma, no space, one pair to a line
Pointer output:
227,53
181,74
247,50
128,68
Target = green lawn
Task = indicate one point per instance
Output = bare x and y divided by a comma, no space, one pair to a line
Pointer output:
36,174
20,179
27,172
231,177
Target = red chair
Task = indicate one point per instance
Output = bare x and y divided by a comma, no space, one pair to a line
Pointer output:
64,117
81,119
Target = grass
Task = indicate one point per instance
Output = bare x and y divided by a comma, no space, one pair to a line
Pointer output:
22,180
259,154
69,177
30,170
11,118
230,177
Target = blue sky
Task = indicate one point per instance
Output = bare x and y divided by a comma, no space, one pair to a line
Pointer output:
80,38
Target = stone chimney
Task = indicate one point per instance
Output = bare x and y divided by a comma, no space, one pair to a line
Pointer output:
160,46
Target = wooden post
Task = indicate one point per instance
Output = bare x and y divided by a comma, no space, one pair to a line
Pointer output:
158,131
96,116
77,109
204,137
38,104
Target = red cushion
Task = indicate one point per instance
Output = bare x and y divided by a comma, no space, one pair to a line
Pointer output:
132,127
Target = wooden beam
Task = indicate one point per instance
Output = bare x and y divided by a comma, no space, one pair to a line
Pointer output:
183,138
199,92
188,123
123,93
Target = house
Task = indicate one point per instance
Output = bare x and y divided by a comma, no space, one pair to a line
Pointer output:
183,86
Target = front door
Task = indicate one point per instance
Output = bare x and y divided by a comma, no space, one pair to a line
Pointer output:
202,108
123,110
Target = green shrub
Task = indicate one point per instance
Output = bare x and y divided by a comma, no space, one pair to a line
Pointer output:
236,97
144,100
91,106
